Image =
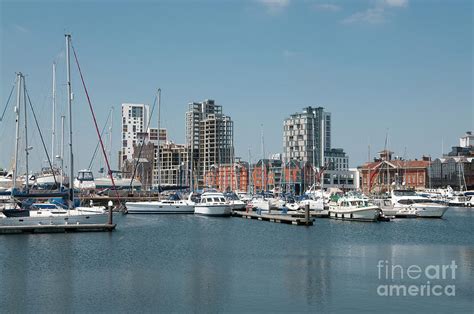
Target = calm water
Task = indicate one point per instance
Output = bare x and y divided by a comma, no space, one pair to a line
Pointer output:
196,264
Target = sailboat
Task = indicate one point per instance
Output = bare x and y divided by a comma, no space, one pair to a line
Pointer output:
170,206
22,213
52,177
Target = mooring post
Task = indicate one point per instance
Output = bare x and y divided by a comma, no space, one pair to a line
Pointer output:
306,213
269,207
110,204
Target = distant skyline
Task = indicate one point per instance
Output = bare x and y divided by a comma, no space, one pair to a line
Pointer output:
397,67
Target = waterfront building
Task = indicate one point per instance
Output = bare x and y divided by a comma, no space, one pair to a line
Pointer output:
336,159
386,173
455,169
307,136
173,165
267,177
228,177
134,120
209,137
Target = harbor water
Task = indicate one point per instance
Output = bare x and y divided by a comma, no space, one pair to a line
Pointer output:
186,263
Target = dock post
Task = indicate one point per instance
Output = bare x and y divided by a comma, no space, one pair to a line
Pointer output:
110,204
269,207
306,214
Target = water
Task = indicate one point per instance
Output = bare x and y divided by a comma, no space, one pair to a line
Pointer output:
197,264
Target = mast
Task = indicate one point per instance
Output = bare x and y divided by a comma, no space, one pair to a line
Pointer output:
26,136
263,159
250,174
158,168
17,128
69,101
110,133
62,151
53,133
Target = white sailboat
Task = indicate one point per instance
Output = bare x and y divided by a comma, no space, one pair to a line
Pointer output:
48,213
170,206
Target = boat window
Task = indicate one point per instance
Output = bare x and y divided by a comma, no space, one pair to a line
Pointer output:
405,202
222,200
209,200
216,199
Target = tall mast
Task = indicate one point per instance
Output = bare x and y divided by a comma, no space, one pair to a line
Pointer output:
110,133
249,178
69,102
158,168
62,151
26,135
263,157
53,133
17,128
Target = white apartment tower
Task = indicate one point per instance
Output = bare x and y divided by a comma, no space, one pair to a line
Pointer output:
134,121
210,138
307,136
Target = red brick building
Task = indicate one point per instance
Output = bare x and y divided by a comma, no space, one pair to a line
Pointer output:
385,173
227,177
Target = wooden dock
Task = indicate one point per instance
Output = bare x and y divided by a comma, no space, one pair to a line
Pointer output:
57,228
288,219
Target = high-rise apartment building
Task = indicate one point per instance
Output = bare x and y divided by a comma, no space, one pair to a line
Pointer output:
134,121
209,137
307,136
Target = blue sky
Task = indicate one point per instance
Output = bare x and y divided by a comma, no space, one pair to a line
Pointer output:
399,66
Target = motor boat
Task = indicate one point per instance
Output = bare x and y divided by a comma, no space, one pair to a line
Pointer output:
354,208
423,206
213,204
233,199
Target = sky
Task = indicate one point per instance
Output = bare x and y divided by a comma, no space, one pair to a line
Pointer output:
396,68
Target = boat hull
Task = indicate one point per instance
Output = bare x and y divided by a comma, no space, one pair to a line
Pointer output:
359,214
157,208
431,212
55,220
213,210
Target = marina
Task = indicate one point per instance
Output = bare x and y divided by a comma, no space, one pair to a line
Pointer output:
264,156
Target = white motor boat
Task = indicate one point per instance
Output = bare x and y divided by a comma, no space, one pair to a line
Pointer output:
354,208
423,206
170,206
213,204
235,202
84,181
314,204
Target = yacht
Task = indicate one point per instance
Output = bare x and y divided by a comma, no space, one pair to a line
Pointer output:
52,214
235,201
213,204
354,208
84,180
315,204
423,207
173,205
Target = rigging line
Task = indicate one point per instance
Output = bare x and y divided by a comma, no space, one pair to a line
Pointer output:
8,101
41,136
98,143
143,143
96,126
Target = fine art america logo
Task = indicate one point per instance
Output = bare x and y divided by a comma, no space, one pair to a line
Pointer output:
415,280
